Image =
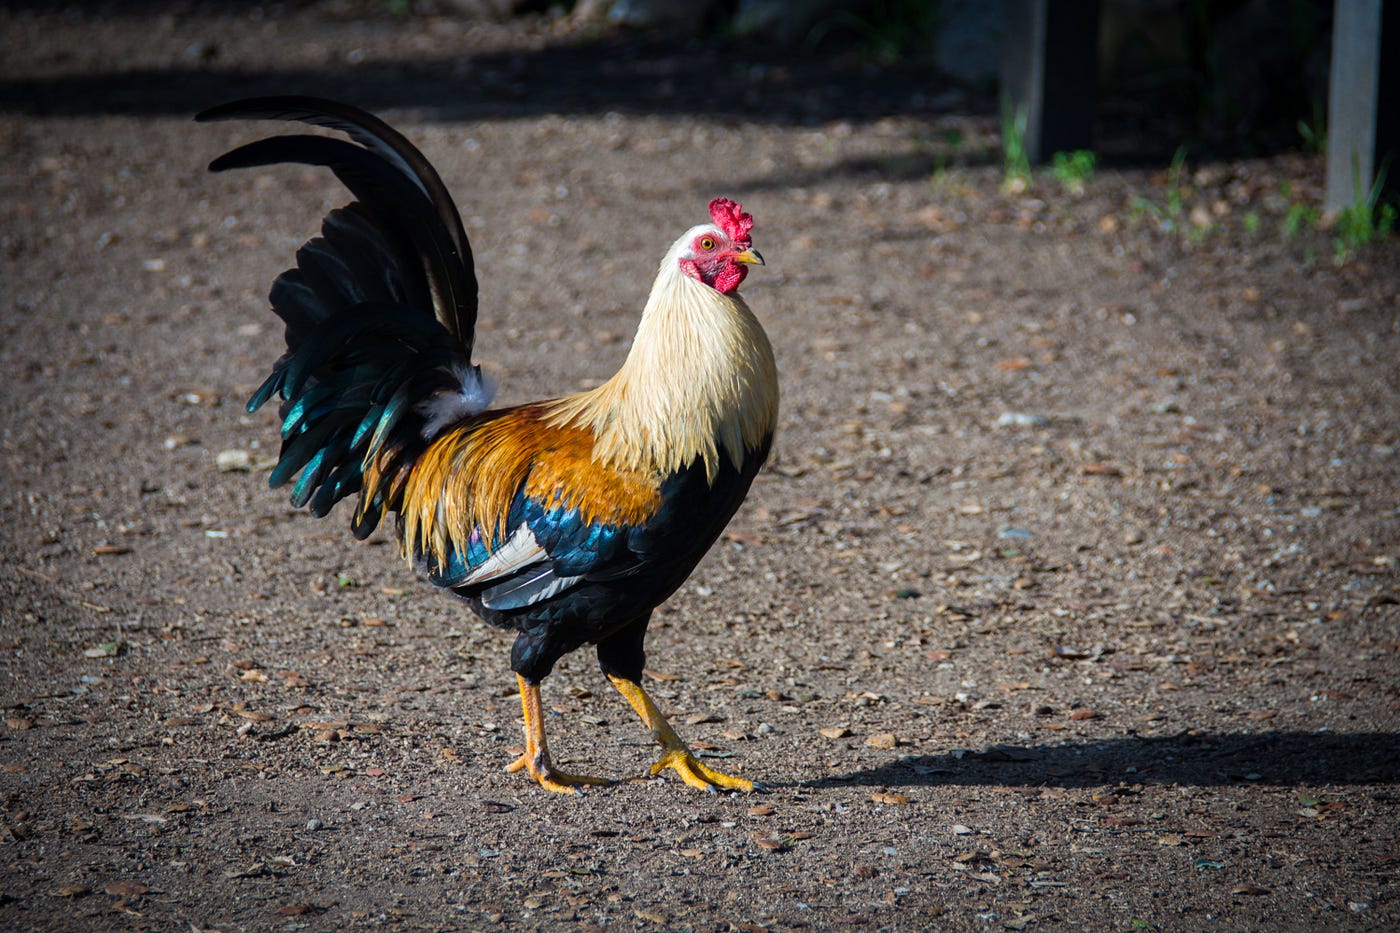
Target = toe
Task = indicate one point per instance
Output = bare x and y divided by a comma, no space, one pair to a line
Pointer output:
698,775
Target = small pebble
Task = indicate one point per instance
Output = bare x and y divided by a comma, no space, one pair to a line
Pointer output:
233,461
1021,419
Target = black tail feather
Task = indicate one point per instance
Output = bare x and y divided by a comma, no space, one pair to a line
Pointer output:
401,155
389,197
380,311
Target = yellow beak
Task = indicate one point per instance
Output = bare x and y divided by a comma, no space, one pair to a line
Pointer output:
749,256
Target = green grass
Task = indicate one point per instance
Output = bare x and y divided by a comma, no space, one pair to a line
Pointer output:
1300,217
1073,169
1314,138
1366,219
1168,212
1016,163
887,32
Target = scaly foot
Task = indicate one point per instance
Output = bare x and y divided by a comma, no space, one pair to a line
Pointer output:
550,777
698,775
676,756
536,757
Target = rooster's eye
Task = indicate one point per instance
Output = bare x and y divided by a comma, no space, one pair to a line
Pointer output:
707,244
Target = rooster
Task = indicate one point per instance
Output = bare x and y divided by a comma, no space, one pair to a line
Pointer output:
567,520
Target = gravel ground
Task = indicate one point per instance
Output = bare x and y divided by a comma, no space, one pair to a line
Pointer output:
1069,597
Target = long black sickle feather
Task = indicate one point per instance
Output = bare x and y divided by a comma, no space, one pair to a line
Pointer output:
391,146
388,193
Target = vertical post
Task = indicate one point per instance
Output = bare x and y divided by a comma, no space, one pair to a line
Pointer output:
1049,68
1363,125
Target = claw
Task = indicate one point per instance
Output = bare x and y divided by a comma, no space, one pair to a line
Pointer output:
696,774
536,758
676,756
550,777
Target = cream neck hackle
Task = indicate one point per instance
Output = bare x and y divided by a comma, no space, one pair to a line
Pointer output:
700,381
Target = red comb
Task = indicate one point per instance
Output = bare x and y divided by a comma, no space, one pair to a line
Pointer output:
729,216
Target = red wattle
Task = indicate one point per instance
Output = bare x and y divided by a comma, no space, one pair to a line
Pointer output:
731,274
723,277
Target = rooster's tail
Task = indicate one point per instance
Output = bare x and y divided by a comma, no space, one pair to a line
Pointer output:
380,312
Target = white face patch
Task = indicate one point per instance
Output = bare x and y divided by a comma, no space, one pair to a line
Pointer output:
687,242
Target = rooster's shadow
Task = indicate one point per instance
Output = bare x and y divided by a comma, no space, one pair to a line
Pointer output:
1189,759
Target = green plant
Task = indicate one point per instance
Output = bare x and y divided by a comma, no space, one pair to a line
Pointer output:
1314,138
1366,218
1073,169
890,31
1300,217
1016,162
1251,223
1168,213
1176,199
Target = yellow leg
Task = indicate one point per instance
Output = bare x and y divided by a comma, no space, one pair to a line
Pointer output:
675,754
536,757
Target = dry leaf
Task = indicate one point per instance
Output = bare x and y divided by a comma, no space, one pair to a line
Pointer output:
762,809
698,718
889,798
882,740
835,732
1249,889
125,888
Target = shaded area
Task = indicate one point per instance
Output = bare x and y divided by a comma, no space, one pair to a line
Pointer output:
1164,81
656,75
1193,759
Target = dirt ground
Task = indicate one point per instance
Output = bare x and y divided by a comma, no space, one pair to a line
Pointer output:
1069,598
